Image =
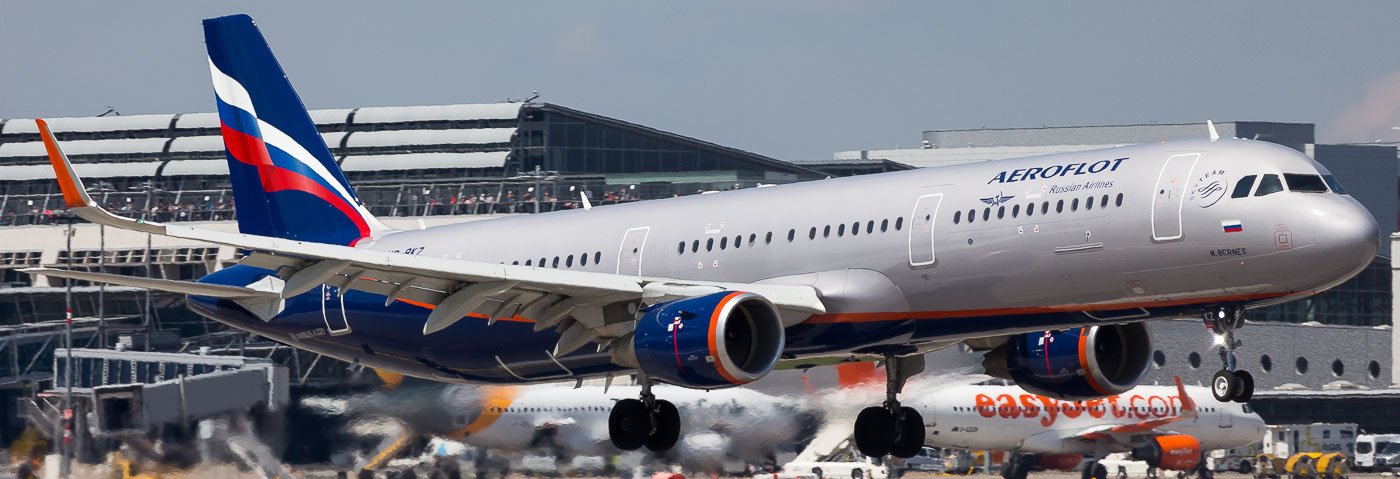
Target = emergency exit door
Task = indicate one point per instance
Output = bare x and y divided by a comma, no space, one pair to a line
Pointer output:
921,230
629,255
1170,196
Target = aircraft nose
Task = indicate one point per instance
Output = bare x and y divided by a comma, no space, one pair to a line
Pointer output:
1353,237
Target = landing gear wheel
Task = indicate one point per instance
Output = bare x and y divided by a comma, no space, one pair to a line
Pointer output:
628,424
874,431
667,427
856,474
911,433
1244,383
1224,386
1094,470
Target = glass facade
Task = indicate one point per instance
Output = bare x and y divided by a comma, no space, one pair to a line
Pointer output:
1364,300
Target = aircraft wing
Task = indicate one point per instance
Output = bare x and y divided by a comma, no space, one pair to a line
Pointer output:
572,301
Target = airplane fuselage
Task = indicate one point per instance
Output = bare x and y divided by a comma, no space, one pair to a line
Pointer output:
903,262
1007,418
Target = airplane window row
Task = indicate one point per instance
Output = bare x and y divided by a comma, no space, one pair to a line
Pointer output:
1271,184
547,409
724,243
568,261
1030,208
1035,409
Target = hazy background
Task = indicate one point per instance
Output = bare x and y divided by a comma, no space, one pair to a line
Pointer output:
788,79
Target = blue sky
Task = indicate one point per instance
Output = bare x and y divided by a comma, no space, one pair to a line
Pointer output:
787,79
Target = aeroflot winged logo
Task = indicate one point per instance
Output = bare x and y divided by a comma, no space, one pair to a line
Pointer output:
997,199
1056,171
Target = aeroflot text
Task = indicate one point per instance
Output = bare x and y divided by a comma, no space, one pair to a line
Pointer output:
1055,171
1006,406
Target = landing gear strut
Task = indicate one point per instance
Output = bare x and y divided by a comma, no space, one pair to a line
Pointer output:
649,422
891,428
1229,384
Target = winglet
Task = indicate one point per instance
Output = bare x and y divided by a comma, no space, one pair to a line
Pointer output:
1213,134
583,196
1188,406
76,197
73,192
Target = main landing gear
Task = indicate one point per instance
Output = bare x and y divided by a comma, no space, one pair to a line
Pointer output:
1229,384
891,428
648,422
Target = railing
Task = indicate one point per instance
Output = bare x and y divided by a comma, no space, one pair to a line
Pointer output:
418,199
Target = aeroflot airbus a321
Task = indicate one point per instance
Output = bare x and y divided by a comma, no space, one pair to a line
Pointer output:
1053,263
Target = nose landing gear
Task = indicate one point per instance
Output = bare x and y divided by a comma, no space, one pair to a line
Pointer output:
654,423
891,428
1229,384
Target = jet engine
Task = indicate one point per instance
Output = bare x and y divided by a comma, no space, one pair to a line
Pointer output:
1075,364
1177,453
707,342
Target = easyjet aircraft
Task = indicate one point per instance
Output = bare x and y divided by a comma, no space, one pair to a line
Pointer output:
736,425
1160,425
713,291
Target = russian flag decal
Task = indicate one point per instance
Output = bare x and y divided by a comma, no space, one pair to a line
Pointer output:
1231,226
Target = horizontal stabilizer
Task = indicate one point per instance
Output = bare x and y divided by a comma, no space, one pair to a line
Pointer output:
186,287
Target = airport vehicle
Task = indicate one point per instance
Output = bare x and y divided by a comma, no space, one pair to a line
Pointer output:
1052,263
1240,459
1162,426
929,459
1286,440
1375,452
847,462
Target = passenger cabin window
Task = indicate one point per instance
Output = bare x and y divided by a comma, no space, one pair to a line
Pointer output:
1305,183
957,217
1268,185
1334,184
1243,186
597,257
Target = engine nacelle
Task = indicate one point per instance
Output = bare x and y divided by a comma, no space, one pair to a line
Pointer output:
707,342
1075,364
1177,453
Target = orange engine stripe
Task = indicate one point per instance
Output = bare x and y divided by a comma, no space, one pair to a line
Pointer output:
714,348
493,405
1084,361
65,181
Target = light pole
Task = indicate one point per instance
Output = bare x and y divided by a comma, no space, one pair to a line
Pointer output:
66,465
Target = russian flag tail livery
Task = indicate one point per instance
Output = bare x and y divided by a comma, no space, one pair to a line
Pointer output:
286,184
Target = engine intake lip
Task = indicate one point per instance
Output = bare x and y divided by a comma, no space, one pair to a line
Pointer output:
1118,355
751,318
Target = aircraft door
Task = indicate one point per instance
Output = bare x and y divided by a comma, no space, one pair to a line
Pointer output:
1170,195
333,310
921,234
629,254
1227,417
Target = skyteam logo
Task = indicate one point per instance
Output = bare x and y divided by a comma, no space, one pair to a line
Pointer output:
998,199
1208,189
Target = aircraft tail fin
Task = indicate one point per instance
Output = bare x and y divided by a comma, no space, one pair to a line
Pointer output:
286,184
1188,405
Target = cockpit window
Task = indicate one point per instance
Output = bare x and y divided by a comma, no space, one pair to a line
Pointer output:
1305,183
1242,188
1334,184
1270,184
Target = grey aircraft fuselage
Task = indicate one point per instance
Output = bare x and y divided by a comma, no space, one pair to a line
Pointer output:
903,261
